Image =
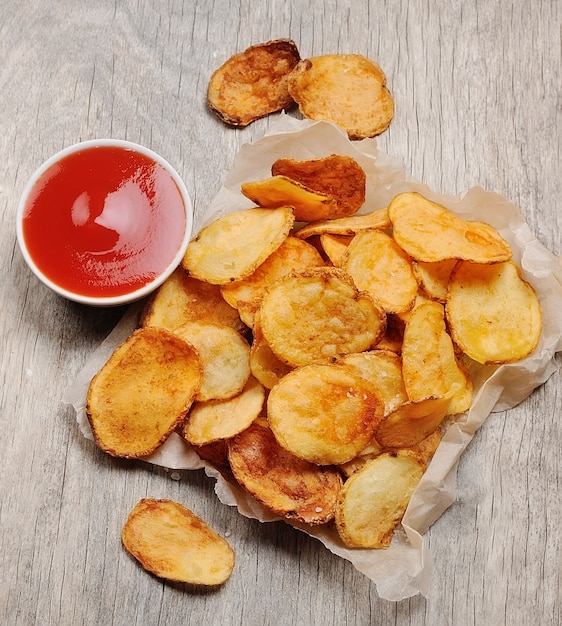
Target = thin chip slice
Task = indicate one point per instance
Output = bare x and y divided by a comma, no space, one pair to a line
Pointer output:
225,355
143,392
215,452
430,232
214,420
334,247
234,245
317,315
173,543
412,422
280,191
182,298
325,414
337,176
434,277
383,369
493,313
382,269
377,220
246,294
429,362
285,484
266,366
253,83
346,89
374,500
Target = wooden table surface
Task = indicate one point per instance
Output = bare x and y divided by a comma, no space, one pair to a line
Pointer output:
478,94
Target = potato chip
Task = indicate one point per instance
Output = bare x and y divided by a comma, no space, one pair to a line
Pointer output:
181,299
494,315
433,278
143,392
280,191
215,452
317,315
325,414
221,419
346,89
266,366
225,355
374,500
376,220
429,232
337,176
246,294
233,246
412,422
285,484
383,369
334,247
173,543
382,269
429,363
253,83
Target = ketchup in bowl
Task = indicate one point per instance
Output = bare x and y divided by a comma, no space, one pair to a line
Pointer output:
104,222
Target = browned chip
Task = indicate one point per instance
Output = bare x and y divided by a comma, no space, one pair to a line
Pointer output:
182,299
246,294
325,414
234,245
382,269
494,315
346,89
339,177
377,220
143,392
430,232
317,315
287,485
253,83
173,543
374,499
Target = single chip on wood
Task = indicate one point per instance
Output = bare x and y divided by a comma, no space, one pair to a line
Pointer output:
173,543
253,83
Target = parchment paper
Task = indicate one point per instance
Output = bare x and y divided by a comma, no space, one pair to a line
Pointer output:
402,570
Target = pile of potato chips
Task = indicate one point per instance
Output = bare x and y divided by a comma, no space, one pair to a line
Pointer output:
313,355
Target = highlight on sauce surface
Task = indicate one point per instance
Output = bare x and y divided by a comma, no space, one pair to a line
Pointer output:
104,221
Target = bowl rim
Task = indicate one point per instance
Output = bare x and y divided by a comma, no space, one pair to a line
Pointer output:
137,294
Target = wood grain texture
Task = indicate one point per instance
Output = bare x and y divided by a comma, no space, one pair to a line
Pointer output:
478,102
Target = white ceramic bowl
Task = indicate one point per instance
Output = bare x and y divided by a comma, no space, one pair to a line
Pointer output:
132,222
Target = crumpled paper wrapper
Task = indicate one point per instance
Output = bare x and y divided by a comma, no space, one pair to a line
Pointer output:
403,569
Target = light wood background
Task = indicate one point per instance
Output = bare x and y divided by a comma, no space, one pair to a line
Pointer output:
478,102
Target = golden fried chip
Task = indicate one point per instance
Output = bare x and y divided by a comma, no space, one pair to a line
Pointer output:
233,246
377,220
339,177
434,277
493,313
412,422
253,83
374,500
325,414
173,543
225,355
317,315
280,191
383,369
221,419
181,299
266,366
429,363
143,392
334,247
246,294
429,232
346,89
285,484
382,269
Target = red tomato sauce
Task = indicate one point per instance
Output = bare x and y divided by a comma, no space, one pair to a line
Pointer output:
104,221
